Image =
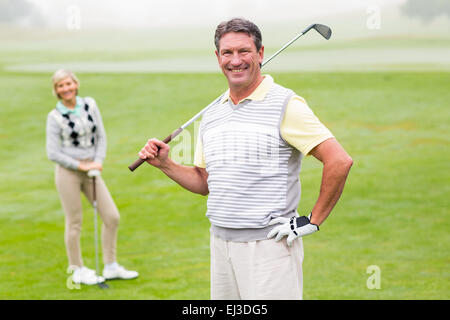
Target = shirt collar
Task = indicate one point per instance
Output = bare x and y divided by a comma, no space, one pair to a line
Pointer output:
258,94
64,110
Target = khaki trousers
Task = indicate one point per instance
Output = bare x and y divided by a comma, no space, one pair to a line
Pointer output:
70,184
256,270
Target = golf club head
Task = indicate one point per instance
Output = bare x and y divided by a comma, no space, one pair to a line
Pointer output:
93,173
320,28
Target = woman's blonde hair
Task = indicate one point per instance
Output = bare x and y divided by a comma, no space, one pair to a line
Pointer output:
62,74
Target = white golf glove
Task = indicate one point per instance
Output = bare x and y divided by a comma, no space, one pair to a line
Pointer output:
93,173
294,228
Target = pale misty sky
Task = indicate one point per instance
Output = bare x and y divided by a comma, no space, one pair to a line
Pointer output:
157,13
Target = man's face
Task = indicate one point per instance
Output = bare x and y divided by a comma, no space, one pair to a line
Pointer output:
239,59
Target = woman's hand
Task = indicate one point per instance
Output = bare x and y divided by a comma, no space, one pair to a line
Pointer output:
91,165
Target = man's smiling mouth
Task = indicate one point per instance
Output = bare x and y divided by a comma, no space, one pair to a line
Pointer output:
238,70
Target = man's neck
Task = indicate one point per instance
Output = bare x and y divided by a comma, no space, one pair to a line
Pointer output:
239,93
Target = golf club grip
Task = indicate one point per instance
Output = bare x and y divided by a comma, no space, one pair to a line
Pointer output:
140,161
136,164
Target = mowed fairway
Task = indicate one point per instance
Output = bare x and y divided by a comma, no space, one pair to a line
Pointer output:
393,213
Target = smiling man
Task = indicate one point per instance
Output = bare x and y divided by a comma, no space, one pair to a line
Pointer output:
247,159
240,60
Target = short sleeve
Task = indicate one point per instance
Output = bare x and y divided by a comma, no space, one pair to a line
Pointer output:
199,157
301,128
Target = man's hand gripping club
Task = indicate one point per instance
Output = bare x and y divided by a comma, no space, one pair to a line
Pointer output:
294,228
156,153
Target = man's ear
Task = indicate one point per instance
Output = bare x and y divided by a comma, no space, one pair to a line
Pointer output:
261,55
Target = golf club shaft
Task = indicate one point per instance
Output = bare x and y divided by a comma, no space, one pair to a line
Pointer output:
169,138
94,203
140,161
282,49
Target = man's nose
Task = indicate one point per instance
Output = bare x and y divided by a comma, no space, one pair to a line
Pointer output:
236,59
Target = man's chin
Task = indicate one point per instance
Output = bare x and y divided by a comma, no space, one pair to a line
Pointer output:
238,78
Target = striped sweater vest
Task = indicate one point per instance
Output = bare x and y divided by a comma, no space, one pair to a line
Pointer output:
253,172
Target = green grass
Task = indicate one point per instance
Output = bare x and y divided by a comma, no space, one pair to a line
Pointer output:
393,212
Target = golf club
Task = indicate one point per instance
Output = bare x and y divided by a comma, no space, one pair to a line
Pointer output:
94,174
323,30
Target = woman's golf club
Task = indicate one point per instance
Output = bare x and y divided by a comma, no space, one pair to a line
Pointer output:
323,30
94,174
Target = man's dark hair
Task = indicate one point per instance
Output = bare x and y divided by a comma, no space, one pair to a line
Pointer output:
238,25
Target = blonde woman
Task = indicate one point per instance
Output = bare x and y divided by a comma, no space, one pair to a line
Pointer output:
76,142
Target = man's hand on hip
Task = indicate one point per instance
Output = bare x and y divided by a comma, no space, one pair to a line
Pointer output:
294,228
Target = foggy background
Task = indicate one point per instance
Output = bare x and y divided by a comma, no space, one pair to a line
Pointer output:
177,36
177,13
